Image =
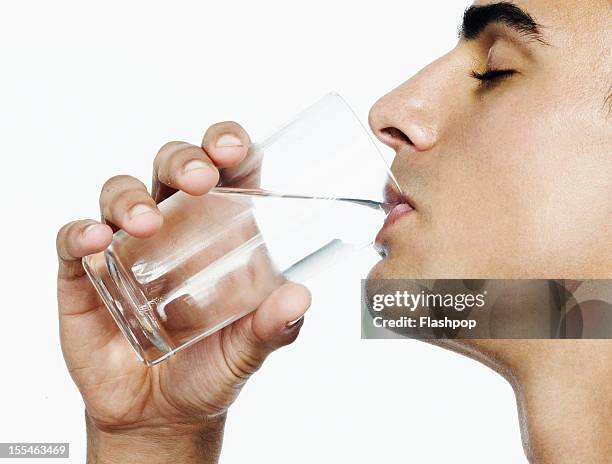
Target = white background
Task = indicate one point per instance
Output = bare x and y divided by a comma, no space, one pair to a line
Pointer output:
92,90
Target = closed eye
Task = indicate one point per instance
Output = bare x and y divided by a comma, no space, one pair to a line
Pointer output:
492,77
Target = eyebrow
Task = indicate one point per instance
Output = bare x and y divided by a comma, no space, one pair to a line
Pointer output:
477,17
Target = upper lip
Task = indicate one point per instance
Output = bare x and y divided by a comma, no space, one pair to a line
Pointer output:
393,196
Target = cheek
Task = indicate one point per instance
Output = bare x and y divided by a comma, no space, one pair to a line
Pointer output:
574,209
476,216
526,193
558,181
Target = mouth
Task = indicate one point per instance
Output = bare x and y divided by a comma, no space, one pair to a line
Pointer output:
397,205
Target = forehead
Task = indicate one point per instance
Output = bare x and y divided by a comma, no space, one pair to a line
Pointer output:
586,21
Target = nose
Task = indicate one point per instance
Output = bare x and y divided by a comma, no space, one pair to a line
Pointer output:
408,115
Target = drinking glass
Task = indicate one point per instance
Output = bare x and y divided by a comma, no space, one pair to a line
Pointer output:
304,198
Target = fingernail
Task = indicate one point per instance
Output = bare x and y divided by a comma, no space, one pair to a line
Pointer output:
228,140
89,228
140,209
290,325
195,164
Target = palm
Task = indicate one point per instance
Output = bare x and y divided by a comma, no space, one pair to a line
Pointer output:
121,391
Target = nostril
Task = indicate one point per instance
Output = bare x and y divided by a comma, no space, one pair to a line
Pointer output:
394,135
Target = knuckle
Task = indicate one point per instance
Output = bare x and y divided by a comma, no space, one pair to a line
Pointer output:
115,181
171,166
129,196
245,357
247,364
62,233
170,152
225,127
66,235
188,152
228,125
170,146
168,149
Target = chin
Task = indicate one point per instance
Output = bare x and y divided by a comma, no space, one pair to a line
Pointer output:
379,271
382,270
392,267
386,268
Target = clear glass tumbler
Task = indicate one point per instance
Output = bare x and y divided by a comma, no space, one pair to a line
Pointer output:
301,200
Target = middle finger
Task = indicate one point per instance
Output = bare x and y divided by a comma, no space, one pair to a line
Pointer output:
182,166
126,204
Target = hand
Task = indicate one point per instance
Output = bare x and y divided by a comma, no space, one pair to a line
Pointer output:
179,405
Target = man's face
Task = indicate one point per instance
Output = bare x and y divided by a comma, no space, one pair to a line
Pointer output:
504,148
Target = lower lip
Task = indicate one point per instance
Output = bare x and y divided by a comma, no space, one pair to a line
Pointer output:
394,215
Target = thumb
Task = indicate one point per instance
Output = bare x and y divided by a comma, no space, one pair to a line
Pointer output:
275,323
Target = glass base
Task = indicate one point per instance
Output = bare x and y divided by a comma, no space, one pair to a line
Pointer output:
129,308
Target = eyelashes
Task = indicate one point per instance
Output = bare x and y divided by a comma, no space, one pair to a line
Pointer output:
490,77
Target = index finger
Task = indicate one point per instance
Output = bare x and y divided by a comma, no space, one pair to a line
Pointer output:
77,239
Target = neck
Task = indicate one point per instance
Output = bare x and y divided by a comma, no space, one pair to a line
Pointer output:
565,402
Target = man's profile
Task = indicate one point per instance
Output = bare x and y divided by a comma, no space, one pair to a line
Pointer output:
503,151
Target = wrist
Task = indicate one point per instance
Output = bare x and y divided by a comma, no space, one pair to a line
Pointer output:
155,444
